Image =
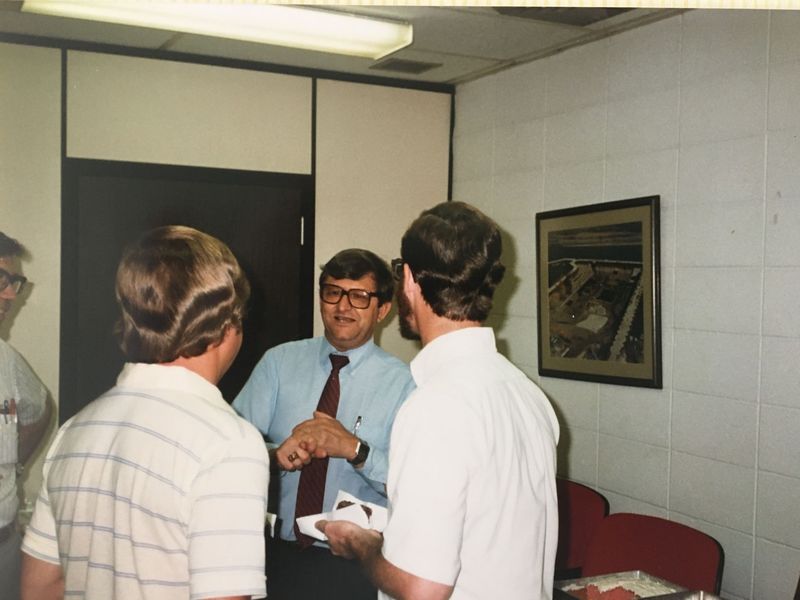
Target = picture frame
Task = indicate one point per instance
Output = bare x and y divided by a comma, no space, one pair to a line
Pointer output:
598,292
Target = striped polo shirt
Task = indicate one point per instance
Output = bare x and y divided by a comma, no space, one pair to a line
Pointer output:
156,490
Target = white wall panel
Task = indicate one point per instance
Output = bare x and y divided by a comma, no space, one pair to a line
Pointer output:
777,509
712,490
720,41
702,298
717,364
577,78
720,234
634,469
714,427
776,570
644,123
635,413
780,377
779,451
782,224
724,107
644,60
783,38
781,301
575,402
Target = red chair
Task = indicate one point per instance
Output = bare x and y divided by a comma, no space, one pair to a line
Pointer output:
580,510
666,549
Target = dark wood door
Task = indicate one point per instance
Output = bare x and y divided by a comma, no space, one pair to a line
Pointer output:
261,216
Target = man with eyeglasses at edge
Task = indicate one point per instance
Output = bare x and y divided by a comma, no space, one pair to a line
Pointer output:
281,399
24,415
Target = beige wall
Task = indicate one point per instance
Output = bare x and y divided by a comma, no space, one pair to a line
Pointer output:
158,111
382,157
30,203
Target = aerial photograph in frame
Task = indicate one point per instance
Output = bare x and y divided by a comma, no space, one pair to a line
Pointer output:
598,284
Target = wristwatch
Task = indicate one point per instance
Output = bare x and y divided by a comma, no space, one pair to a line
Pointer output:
362,452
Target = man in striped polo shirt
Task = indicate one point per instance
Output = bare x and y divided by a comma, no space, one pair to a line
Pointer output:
157,489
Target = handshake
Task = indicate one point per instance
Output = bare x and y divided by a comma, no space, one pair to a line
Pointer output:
319,437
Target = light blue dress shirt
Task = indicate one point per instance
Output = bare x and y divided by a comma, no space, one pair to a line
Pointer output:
283,390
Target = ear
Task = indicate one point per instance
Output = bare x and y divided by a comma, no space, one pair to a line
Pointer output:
410,287
229,332
383,310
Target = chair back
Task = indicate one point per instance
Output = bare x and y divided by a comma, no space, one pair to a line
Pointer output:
666,549
580,510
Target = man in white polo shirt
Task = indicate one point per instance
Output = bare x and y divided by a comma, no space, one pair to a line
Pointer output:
473,509
157,489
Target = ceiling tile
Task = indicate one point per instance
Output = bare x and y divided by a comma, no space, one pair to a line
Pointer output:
469,42
483,35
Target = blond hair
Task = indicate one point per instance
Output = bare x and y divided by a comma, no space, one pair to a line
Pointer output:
178,290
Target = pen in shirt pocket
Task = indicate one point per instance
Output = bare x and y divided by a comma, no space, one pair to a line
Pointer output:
357,425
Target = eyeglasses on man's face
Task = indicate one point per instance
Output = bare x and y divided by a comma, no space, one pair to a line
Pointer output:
397,268
15,282
332,294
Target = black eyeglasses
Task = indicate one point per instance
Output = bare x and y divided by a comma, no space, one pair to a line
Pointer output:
397,268
332,294
17,282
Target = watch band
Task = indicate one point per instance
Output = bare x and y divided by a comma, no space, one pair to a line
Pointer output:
362,452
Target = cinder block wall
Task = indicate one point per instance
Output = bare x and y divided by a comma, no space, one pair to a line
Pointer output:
701,109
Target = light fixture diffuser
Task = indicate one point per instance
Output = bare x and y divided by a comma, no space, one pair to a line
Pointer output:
252,21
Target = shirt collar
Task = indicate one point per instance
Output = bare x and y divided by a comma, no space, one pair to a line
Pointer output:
450,347
356,355
153,376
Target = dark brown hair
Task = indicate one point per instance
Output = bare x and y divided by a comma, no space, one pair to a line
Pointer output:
453,251
355,263
10,247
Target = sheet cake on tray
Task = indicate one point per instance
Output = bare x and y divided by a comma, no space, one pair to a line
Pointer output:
628,585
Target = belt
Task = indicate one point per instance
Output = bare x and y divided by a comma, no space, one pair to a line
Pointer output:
6,531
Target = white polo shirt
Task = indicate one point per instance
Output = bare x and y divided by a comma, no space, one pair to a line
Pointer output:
472,474
156,490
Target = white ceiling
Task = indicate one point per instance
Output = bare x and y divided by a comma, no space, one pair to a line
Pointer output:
465,42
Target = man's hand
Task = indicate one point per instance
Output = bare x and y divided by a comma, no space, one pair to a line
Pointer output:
351,541
331,438
294,453
348,540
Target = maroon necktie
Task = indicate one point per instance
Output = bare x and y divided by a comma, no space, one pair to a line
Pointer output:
311,489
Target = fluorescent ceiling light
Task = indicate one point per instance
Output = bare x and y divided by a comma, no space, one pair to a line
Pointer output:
252,21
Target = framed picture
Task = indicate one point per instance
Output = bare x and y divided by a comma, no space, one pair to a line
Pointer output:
598,299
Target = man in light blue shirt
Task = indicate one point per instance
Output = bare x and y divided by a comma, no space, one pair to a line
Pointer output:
280,399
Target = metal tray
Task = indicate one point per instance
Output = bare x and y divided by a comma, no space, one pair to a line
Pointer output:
613,578
700,595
